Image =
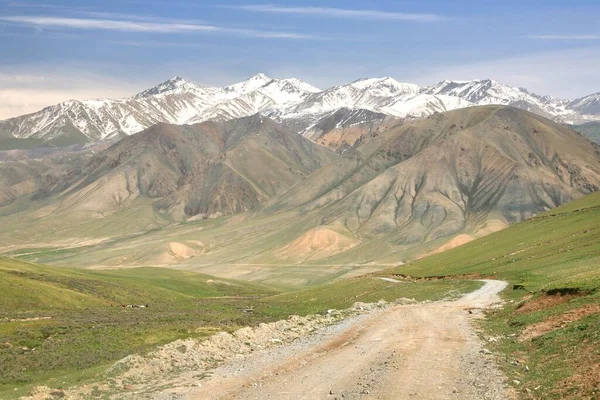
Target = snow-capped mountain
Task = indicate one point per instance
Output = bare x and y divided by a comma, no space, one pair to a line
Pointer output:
588,105
366,94
174,101
488,91
292,101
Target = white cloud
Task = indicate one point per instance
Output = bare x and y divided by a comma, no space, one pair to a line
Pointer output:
137,26
157,43
23,4
342,13
564,37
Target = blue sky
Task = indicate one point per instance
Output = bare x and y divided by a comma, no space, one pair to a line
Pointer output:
53,50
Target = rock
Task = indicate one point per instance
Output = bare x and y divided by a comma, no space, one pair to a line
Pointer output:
516,381
405,301
38,390
485,351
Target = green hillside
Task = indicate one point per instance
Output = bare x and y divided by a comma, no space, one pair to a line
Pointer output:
556,249
589,129
550,328
35,287
67,325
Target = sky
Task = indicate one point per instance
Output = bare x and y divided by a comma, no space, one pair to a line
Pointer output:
55,50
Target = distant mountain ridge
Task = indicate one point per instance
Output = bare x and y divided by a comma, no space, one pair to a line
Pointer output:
290,101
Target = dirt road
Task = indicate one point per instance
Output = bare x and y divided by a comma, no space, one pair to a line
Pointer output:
423,351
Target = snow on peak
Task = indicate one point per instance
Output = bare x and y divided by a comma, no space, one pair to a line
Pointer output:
179,101
174,85
587,105
300,84
393,85
260,77
253,83
476,90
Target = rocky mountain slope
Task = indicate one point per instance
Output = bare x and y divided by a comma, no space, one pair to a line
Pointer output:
468,171
203,170
250,191
291,101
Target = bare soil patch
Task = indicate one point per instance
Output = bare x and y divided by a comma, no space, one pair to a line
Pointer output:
545,302
558,321
316,244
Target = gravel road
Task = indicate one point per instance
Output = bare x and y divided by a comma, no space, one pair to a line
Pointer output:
422,351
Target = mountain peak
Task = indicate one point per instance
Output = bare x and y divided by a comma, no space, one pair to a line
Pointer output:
388,82
174,84
249,85
176,78
260,77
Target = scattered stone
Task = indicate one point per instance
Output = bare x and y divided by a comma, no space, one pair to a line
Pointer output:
405,301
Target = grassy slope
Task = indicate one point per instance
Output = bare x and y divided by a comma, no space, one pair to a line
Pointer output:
590,129
557,250
67,139
85,331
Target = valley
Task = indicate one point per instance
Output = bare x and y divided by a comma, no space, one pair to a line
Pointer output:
334,200
550,262
249,199
125,248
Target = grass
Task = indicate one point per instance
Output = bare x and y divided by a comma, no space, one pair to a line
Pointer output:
84,329
553,263
555,252
589,129
68,139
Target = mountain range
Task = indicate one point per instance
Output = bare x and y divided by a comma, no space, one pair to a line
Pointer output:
249,192
296,104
